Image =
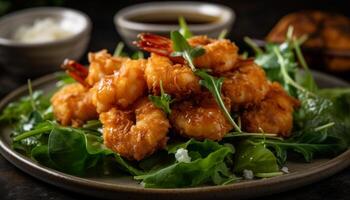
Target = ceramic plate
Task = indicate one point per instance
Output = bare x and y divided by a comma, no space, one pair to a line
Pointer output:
123,187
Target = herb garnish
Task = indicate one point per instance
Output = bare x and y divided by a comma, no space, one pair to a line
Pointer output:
163,101
213,84
184,30
119,50
222,34
317,129
183,49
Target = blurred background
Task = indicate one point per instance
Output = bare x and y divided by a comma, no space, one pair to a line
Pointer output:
254,18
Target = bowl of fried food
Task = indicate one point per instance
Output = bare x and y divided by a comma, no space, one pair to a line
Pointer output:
328,37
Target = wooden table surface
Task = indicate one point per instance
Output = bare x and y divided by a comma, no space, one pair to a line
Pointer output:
254,18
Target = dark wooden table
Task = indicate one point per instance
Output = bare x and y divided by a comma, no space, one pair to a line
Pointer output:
254,18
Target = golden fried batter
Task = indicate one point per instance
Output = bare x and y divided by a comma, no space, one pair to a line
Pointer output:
273,115
72,105
115,88
220,55
135,139
122,88
200,118
101,64
177,80
245,86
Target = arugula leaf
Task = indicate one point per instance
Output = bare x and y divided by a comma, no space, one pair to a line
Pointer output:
258,51
207,166
280,64
339,112
20,109
63,79
204,148
306,79
256,157
308,144
94,145
30,90
93,125
137,55
41,128
222,34
184,30
269,60
119,50
214,86
157,161
182,48
334,93
287,80
127,166
163,101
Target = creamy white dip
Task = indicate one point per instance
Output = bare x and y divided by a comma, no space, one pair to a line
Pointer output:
42,30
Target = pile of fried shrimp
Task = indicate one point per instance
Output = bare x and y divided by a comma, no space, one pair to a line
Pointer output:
115,90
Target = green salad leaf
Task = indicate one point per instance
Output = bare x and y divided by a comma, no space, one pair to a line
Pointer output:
256,157
207,166
67,150
137,55
119,50
320,123
183,49
63,79
214,85
19,110
163,101
222,34
184,30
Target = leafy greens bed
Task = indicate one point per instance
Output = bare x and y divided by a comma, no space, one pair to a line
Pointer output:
321,127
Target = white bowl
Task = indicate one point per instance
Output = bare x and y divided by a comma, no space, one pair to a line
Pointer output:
128,28
32,59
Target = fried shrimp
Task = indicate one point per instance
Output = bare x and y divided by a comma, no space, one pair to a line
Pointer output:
220,55
177,80
200,40
115,89
200,118
273,115
245,86
139,139
122,88
72,105
101,64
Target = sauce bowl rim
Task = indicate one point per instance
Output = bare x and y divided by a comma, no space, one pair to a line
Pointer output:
121,18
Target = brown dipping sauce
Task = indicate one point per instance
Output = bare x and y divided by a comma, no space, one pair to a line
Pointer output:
172,18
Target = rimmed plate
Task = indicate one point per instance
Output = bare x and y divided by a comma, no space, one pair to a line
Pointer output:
124,187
